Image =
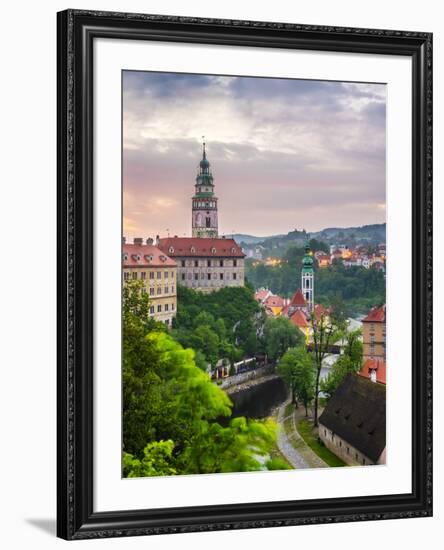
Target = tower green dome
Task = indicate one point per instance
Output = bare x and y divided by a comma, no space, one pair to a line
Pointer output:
307,260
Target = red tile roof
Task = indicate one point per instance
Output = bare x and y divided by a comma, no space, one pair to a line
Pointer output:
274,301
376,315
298,318
262,294
145,255
200,247
319,310
379,366
298,299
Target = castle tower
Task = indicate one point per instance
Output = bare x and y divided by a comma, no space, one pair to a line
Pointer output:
204,202
307,276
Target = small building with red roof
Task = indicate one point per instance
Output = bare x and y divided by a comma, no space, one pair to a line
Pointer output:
374,334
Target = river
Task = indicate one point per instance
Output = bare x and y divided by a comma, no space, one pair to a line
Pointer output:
260,399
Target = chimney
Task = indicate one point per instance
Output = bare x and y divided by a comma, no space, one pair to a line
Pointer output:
156,242
138,241
149,241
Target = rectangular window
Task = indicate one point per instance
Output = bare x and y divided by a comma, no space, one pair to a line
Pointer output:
183,276
126,276
143,290
172,290
134,275
159,308
234,276
196,263
172,307
159,290
234,263
166,307
143,275
209,276
209,263
165,290
221,263
221,276
172,274
196,276
151,274
152,309
166,275
151,291
159,274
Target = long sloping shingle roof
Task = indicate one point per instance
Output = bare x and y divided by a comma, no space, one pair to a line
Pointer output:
356,413
200,247
145,255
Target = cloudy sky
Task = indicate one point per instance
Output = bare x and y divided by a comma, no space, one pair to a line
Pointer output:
284,153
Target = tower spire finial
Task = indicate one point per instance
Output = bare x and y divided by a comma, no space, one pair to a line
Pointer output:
203,147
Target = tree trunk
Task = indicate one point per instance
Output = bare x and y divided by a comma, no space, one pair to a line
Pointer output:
316,403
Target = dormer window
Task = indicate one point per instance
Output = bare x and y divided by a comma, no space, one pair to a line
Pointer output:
149,258
213,250
171,250
192,250
136,257
233,250
125,257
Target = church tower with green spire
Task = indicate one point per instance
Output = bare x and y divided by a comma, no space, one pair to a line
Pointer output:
307,276
204,201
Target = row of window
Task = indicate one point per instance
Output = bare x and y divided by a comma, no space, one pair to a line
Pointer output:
209,276
207,204
151,275
158,290
339,444
158,308
207,263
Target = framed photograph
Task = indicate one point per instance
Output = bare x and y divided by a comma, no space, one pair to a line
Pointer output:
245,274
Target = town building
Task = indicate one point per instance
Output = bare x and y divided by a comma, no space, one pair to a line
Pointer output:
373,334
204,202
158,273
353,424
205,264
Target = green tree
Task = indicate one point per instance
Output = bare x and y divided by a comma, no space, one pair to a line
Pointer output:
157,461
297,370
171,408
279,335
349,361
325,332
234,448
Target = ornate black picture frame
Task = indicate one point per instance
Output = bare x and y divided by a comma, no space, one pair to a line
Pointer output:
77,31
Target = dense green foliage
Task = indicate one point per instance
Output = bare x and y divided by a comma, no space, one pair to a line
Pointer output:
170,407
279,335
350,361
219,325
297,369
359,289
